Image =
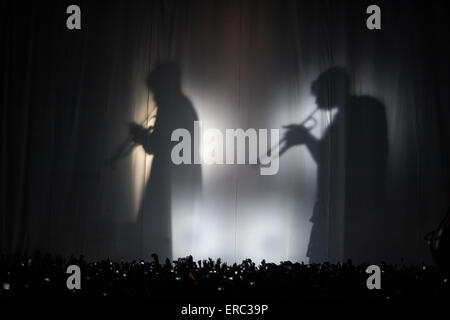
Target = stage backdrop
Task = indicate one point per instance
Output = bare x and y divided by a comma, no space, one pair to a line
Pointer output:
67,97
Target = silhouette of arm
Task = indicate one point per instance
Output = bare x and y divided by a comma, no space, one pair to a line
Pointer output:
142,136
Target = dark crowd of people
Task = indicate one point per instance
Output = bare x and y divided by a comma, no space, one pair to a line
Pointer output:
185,278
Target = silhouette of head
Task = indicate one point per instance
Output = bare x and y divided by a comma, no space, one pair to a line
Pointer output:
331,88
164,80
155,258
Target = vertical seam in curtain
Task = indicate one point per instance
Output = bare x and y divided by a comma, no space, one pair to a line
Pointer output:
239,114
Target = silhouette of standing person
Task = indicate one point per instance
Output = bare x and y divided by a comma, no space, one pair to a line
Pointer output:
351,155
169,185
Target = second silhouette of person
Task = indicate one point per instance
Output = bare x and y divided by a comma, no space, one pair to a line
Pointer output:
171,188
351,157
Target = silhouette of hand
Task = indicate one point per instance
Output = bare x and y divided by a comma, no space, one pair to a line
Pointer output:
137,132
295,135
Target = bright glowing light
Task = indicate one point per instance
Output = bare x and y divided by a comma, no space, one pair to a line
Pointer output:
242,214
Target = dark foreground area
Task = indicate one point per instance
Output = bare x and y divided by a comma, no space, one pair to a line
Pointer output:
212,281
